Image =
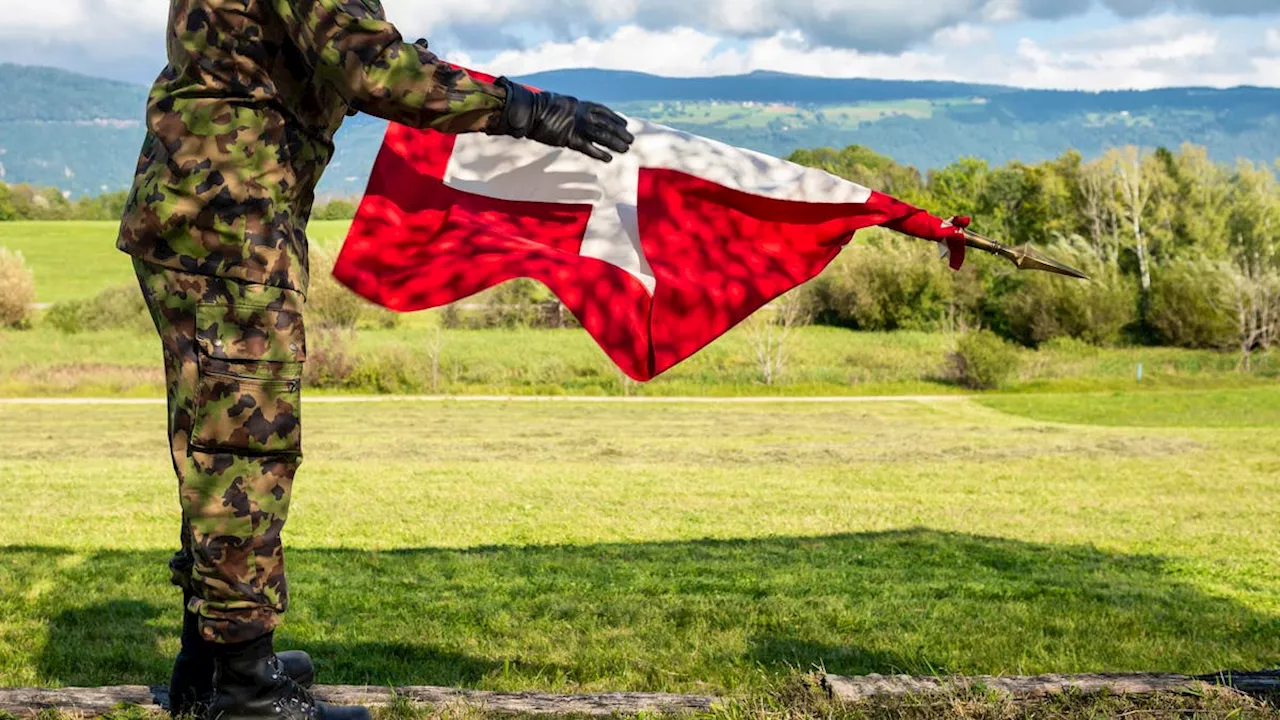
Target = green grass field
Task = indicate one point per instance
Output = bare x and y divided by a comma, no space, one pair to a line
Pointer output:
680,547
73,260
1080,521
70,259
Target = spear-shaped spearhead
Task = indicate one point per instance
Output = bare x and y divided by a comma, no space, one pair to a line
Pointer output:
1022,256
955,236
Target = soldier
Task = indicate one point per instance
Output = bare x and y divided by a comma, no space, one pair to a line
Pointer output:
240,126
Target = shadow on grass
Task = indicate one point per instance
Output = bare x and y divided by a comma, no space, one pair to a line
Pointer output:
699,615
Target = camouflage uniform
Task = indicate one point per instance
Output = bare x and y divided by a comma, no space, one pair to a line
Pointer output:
240,127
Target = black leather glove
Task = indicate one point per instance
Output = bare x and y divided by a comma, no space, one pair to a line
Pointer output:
562,121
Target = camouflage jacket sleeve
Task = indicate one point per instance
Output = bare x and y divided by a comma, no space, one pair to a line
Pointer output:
351,45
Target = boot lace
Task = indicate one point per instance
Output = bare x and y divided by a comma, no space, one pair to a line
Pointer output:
296,700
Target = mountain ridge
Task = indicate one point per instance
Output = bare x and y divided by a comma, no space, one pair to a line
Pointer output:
82,134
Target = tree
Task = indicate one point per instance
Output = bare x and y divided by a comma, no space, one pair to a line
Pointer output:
435,348
1095,191
7,210
1200,200
866,167
956,188
1135,189
1253,224
768,333
1256,297
339,209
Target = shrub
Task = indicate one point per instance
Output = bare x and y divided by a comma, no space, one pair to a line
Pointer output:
984,360
1043,306
392,370
17,290
1191,306
330,304
894,285
335,210
329,365
117,308
518,303
451,317
514,304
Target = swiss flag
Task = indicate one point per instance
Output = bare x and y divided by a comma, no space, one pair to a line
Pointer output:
657,253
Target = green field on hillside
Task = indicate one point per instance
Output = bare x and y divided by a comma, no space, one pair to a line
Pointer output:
78,259
742,116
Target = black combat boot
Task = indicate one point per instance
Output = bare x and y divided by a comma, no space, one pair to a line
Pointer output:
250,683
191,685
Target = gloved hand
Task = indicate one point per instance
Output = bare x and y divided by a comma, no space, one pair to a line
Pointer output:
562,121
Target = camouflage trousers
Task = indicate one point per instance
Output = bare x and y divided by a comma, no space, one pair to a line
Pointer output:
233,355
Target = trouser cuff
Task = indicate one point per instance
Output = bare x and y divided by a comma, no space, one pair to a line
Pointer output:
235,626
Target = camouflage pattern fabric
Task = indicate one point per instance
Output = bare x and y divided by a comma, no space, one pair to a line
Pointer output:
240,126
233,358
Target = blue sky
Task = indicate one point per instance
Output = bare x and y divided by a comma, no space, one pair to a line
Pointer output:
1077,44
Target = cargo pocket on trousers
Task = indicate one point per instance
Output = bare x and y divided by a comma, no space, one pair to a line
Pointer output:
248,398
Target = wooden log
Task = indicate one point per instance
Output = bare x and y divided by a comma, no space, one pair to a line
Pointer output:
857,689
91,702
530,703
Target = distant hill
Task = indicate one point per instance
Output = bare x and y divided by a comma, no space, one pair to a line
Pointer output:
612,86
82,134
40,94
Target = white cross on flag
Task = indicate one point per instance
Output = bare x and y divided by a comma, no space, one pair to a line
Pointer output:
657,253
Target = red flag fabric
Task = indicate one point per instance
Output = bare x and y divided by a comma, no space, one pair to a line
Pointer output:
657,254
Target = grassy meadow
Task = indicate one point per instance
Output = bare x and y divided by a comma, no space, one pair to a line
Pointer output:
73,260
675,547
1079,520
78,260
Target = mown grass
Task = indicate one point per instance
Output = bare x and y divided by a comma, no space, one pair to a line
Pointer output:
672,547
1204,408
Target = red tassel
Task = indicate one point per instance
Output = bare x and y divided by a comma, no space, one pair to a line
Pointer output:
956,245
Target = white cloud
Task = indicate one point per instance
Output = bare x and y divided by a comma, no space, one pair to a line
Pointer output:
93,24
1002,11
1157,52
24,18
964,35
685,52
969,40
869,25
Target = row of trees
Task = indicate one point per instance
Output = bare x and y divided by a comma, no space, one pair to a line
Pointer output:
1184,251
27,202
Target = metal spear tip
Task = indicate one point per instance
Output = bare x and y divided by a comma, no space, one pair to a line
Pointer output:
1023,256
1034,260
